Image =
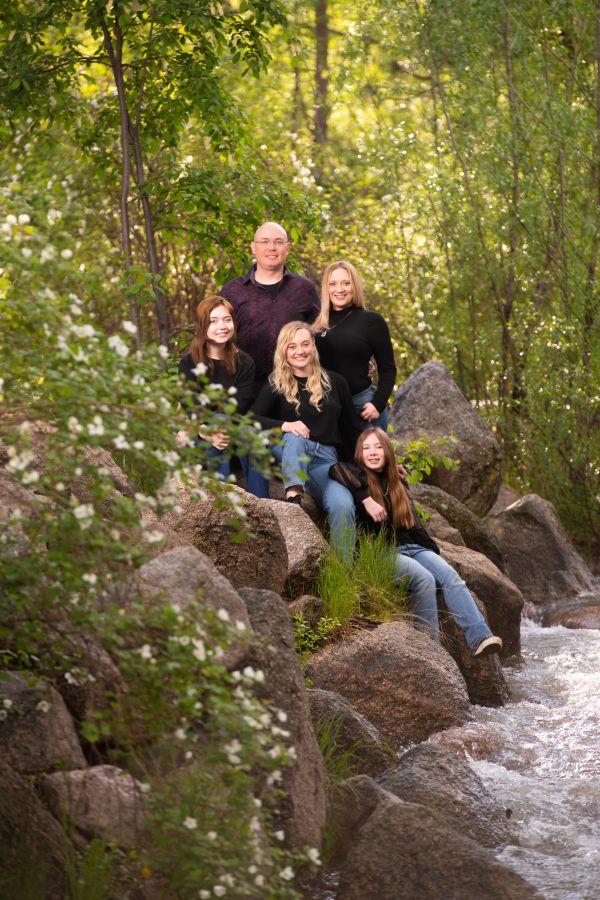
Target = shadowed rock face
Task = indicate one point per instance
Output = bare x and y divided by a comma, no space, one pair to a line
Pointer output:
474,532
445,782
38,734
407,850
353,733
540,557
33,854
398,678
303,809
430,403
260,561
304,543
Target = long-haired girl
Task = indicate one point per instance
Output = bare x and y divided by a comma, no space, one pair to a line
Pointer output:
215,355
383,502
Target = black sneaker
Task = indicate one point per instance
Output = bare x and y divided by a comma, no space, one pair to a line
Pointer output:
295,498
488,645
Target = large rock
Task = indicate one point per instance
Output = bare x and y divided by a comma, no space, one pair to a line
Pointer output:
352,802
259,561
502,599
37,734
100,802
96,682
303,808
304,543
438,527
486,684
506,497
187,577
540,557
398,678
430,403
582,611
354,738
33,845
404,850
446,784
475,533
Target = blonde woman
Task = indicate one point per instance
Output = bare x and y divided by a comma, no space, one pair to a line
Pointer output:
313,410
348,336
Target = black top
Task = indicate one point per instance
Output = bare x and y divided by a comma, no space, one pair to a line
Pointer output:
336,424
354,336
359,488
261,313
242,379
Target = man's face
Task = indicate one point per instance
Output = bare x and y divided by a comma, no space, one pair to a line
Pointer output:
270,247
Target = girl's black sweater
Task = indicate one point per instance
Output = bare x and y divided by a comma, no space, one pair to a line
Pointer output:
355,479
336,424
242,379
354,336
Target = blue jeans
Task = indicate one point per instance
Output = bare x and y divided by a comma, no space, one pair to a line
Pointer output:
307,463
359,401
426,571
219,461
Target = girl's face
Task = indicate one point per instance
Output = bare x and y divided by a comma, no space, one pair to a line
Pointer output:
373,454
300,352
220,328
340,288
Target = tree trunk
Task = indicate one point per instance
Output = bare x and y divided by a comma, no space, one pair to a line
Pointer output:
115,54
321,72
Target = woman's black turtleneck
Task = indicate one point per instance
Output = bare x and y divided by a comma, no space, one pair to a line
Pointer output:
354,336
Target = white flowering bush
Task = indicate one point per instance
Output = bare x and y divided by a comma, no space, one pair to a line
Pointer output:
209,755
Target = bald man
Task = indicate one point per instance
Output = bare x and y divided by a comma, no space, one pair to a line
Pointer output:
268,297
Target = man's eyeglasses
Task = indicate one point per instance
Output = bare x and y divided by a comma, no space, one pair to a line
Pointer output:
277,242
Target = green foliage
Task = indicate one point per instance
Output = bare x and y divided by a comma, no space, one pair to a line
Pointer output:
422,455
89,876
367,588
340,763
207,755
310,638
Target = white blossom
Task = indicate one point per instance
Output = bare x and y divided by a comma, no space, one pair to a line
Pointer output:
67,253
83,331
6,703
90,577
24,219
129,327
30,477
223,615
116,343
43,706
190,823
287,874
154,537
84,513
313,855
145,651
163,351
199,369
26,251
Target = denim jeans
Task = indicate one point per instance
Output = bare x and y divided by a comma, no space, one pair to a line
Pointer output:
426,571
219,461
359,401
305,462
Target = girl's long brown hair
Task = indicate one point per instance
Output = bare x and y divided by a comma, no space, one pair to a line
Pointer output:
199,347
397,497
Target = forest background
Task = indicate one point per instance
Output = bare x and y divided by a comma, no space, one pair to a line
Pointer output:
450,149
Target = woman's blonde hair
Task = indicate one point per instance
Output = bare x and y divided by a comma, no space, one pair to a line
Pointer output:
358,295
397,496
282,378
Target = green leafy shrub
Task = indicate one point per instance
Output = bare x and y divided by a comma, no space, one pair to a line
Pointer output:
310,638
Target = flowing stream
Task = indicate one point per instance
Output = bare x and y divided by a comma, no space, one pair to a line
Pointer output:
542,760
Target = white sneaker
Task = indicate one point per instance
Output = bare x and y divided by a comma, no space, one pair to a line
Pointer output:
488,645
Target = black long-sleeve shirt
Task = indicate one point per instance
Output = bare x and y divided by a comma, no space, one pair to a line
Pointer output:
242,379
358,486
354,336
336,424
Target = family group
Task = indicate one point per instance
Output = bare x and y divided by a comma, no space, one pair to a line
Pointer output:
303,366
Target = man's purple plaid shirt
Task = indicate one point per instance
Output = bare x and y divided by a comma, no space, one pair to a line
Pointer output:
260,316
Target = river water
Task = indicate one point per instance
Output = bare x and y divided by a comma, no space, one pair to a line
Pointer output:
540,757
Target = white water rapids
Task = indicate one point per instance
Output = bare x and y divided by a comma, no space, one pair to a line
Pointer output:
543,760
